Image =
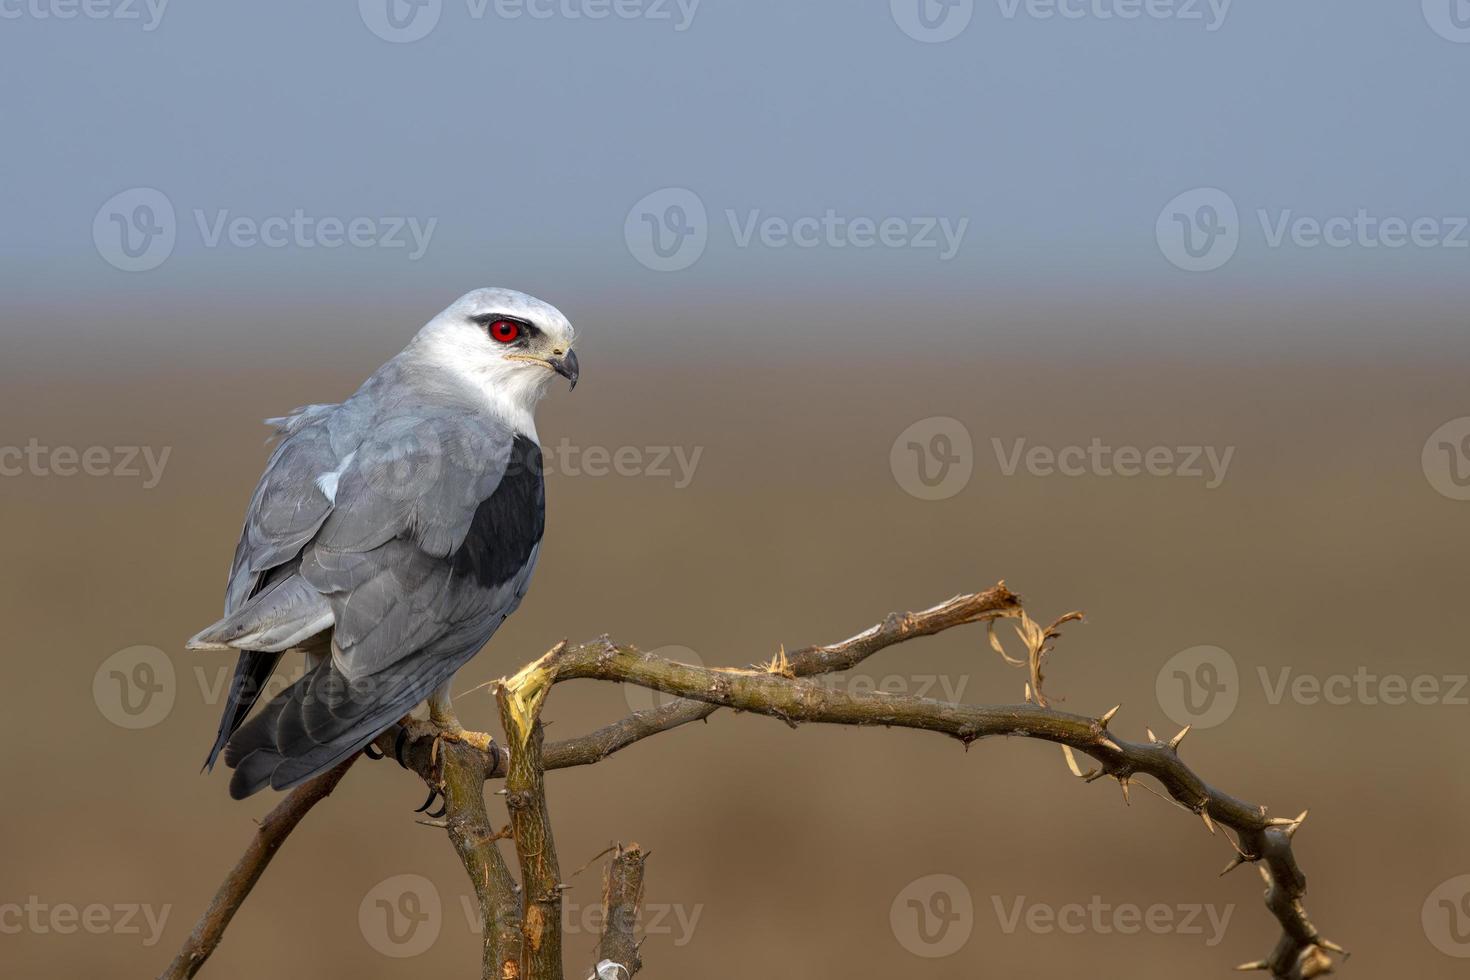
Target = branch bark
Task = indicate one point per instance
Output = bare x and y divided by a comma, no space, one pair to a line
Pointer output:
961,610
622,898
269,837
461,779
530,822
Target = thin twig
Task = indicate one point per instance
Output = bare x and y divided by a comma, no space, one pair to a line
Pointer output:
269,837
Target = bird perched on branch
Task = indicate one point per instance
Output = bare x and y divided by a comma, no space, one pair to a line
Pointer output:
388,539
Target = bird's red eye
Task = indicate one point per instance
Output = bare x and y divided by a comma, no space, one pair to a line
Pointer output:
505,330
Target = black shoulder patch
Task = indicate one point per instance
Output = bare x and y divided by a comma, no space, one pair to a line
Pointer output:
509,523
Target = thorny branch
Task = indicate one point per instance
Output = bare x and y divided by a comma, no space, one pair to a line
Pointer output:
782,689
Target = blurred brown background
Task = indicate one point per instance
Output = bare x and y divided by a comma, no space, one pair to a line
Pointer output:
776,852
1170,224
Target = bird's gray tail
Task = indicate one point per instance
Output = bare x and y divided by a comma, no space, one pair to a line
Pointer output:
252,671
322,719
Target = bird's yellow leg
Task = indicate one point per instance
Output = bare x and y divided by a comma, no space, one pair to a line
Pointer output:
441,711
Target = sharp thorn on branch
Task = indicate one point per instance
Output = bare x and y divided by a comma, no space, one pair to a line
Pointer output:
1151,736
1291,824
1108,715
1174,742
1235,862
1205,816
1257,965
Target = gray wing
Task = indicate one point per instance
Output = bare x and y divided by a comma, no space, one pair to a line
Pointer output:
268,608
346,481
428,543
289,504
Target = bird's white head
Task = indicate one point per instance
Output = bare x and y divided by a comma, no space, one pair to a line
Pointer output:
504,344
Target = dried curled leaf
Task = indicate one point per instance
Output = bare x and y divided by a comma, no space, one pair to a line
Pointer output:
999,648
1072,764
1037,640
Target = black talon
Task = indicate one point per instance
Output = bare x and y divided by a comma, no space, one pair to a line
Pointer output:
398,744
433,794
372,752
443,809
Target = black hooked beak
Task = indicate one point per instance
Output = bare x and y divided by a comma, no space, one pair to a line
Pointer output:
567,366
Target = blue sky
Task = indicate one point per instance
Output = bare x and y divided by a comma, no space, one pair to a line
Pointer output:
522,143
